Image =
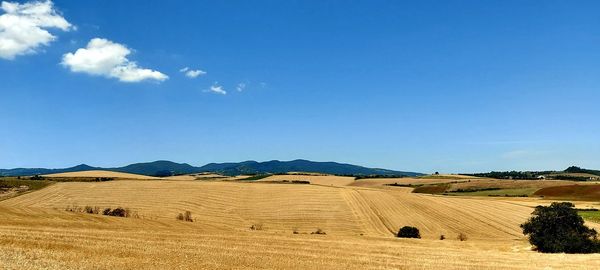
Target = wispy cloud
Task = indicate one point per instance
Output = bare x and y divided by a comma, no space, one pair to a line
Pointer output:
190,73
23,27
217,89
103,57
240,87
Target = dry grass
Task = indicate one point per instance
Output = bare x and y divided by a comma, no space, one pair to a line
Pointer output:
201,176
99,173
381,182
36,232
338,211
221,204
325,180
185,177
449,176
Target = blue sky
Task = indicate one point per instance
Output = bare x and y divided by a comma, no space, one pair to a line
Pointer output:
449,86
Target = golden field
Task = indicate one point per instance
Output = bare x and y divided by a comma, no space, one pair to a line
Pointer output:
326,180
100,173
359,221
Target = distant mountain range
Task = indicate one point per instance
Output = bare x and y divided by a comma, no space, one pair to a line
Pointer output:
167,168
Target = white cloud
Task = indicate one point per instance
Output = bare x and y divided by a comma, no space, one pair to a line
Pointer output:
23,27
192,73
105,58
240,87
218,89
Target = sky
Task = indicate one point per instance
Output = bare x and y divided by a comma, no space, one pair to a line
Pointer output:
448,86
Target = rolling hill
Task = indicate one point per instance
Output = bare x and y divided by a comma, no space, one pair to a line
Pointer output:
168,168
40,171
299,165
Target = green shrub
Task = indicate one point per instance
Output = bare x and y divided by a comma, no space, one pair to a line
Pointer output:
409,232
558,228
117,212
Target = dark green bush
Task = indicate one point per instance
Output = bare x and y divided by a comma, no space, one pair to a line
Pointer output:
409,232
117,212
558,228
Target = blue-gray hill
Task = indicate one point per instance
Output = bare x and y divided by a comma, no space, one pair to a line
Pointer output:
167,168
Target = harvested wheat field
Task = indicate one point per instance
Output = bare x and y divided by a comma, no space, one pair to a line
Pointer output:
381,182
51,239
315,179
359,225
100,173
199,176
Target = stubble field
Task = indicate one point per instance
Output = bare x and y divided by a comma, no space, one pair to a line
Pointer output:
359,222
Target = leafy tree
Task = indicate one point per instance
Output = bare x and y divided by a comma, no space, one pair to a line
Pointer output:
409,232
558,228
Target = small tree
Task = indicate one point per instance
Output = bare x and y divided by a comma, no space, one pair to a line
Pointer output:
409,232
558,228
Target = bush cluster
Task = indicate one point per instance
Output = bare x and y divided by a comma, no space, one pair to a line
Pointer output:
558,228
409,232
116,212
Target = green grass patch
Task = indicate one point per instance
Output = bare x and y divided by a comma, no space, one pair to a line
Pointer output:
593,216
9,182
15,186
